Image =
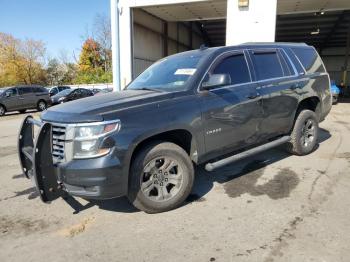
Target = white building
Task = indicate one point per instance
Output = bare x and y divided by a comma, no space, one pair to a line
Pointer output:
144,31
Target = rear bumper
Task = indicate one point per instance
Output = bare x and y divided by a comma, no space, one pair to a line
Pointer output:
97,178
335,98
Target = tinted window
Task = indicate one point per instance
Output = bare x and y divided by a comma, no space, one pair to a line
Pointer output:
287,68
309,59
235,66
54,91
12,92
85,92
77,92
25,90
267,65
61,88
39,90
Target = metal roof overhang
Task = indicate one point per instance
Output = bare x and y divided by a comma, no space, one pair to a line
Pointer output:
296,19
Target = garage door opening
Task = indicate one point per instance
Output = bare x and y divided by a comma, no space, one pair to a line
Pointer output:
160,31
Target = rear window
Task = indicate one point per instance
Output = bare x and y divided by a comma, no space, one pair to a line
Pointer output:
267,64
310,60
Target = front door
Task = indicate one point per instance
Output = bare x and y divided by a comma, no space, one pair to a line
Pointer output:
232,113
11,100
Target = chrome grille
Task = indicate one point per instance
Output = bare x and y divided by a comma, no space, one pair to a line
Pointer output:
58,143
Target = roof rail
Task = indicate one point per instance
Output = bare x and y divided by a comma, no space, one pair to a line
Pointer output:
274,43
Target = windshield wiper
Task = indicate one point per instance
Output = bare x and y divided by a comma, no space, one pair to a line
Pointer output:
150,89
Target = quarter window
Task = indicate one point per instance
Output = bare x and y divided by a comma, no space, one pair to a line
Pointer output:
267,65
235,66
309,59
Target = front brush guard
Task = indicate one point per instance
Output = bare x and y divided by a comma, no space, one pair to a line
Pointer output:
36,158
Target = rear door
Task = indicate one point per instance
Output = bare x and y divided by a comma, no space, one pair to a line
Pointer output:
231,114
277,82
27,97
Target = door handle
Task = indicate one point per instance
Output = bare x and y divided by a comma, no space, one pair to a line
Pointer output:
253,95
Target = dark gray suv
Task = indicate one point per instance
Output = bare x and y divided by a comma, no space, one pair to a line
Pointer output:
21,98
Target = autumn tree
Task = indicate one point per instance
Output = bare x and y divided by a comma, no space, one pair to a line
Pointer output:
21,62
103,36
91,64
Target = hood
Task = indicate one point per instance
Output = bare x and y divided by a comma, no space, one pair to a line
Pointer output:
92,109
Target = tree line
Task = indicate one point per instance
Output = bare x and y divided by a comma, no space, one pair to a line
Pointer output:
26,61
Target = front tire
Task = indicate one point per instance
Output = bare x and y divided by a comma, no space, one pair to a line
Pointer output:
161,178
2,110
305,134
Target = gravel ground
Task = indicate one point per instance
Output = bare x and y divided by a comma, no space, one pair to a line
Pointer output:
271,207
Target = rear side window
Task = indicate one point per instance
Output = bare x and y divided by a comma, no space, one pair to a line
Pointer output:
235,66
39,90
310,60
25,90
267,64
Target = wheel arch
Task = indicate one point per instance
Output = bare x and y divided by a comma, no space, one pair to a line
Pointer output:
181,137
312,103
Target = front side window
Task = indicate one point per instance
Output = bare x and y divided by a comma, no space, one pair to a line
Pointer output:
266,65
169,74
236,67
11,92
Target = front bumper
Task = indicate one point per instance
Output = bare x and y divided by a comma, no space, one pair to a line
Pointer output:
97,178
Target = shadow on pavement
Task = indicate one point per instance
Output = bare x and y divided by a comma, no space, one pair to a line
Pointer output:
241,177
251,166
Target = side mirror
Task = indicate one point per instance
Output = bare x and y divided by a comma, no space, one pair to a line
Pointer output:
216,80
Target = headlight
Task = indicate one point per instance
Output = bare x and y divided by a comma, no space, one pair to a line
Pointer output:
88,138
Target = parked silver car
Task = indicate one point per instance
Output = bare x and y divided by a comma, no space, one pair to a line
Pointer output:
21,98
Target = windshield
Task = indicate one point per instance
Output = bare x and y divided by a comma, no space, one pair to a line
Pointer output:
65,92
168,74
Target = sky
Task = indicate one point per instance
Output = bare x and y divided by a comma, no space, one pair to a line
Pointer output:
60,24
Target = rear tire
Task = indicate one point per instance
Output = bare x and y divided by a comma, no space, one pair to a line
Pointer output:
161,178
2,110
42,106
305,134
335,100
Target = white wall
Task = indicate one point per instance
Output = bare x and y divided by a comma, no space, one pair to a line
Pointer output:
255,23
